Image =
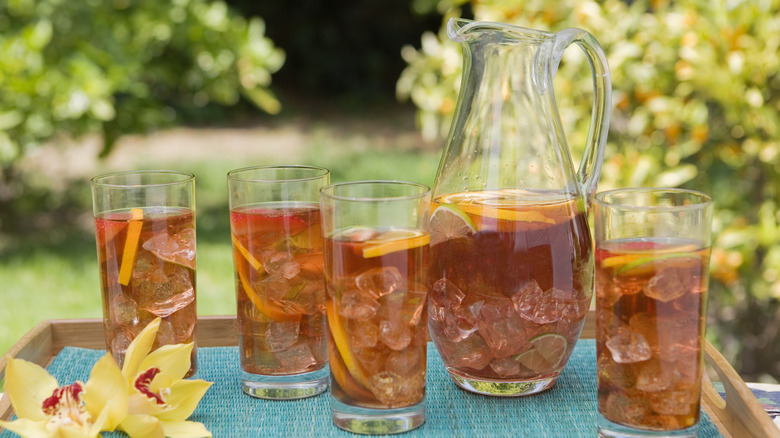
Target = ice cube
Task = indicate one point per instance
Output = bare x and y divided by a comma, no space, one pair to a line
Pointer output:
396,335
502,329
296,359
357,305
471,352
629,410
615,374
536,305
653,377
414,306
670,283
461,321
282,335
505,367
125,310
629,347
386,387
166,297
378,282
445,293
404,362
274,287
671,403
362,333
371,359
280,263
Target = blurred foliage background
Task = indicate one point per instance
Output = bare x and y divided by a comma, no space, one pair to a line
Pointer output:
696,102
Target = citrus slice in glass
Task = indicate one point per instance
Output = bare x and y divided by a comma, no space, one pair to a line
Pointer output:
645,265
546,352
394,240
131,245
449,222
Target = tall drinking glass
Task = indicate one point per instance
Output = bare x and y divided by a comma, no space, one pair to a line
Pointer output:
376,257
652,259
145,232
277,256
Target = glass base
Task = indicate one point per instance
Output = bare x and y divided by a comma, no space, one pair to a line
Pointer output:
503,388
608,429
376,421
285,387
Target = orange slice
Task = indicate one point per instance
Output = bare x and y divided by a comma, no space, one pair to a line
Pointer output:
131,245
278,311
395,240
344,379
245,253
340,339
504,213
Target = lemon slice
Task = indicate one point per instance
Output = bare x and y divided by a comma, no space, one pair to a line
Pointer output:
546,353
505,214
131,245
449,222
395,240
615,261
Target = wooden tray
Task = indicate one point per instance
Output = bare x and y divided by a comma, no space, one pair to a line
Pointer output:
741,417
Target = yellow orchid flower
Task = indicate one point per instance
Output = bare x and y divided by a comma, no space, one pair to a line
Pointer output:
44,409
160,401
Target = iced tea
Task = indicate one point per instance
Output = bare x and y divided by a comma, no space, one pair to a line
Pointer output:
651,297
376,309
511,284
277,252
147,270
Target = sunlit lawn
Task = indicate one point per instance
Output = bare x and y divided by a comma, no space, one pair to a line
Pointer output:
60,280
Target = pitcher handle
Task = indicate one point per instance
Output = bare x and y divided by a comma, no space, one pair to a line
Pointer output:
590,166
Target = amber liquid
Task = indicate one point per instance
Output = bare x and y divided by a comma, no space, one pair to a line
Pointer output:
651,299
377,317
162,282
277,254
525,271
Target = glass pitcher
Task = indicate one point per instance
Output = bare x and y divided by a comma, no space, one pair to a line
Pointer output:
511,252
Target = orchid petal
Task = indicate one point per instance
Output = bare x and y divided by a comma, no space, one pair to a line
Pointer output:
101,420
28,428
106,390
27,386
142,426
140,404
71,432
138,349
173,360
185,429
185,396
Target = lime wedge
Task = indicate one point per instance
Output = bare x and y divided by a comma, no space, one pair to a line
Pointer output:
546,352
641,265
449,222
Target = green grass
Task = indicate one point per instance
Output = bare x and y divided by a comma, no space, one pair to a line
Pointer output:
42,280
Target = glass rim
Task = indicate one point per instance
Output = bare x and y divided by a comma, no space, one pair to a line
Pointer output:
698,199
234,174
97,180
424,190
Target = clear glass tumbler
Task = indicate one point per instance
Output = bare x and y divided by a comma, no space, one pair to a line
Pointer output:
652,271
280,292
145,232
376,264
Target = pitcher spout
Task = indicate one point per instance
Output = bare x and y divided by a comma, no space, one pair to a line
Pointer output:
461,30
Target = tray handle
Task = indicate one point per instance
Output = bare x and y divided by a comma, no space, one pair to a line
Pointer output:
740,413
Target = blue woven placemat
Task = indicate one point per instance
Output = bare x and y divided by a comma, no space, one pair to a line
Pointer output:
568,409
